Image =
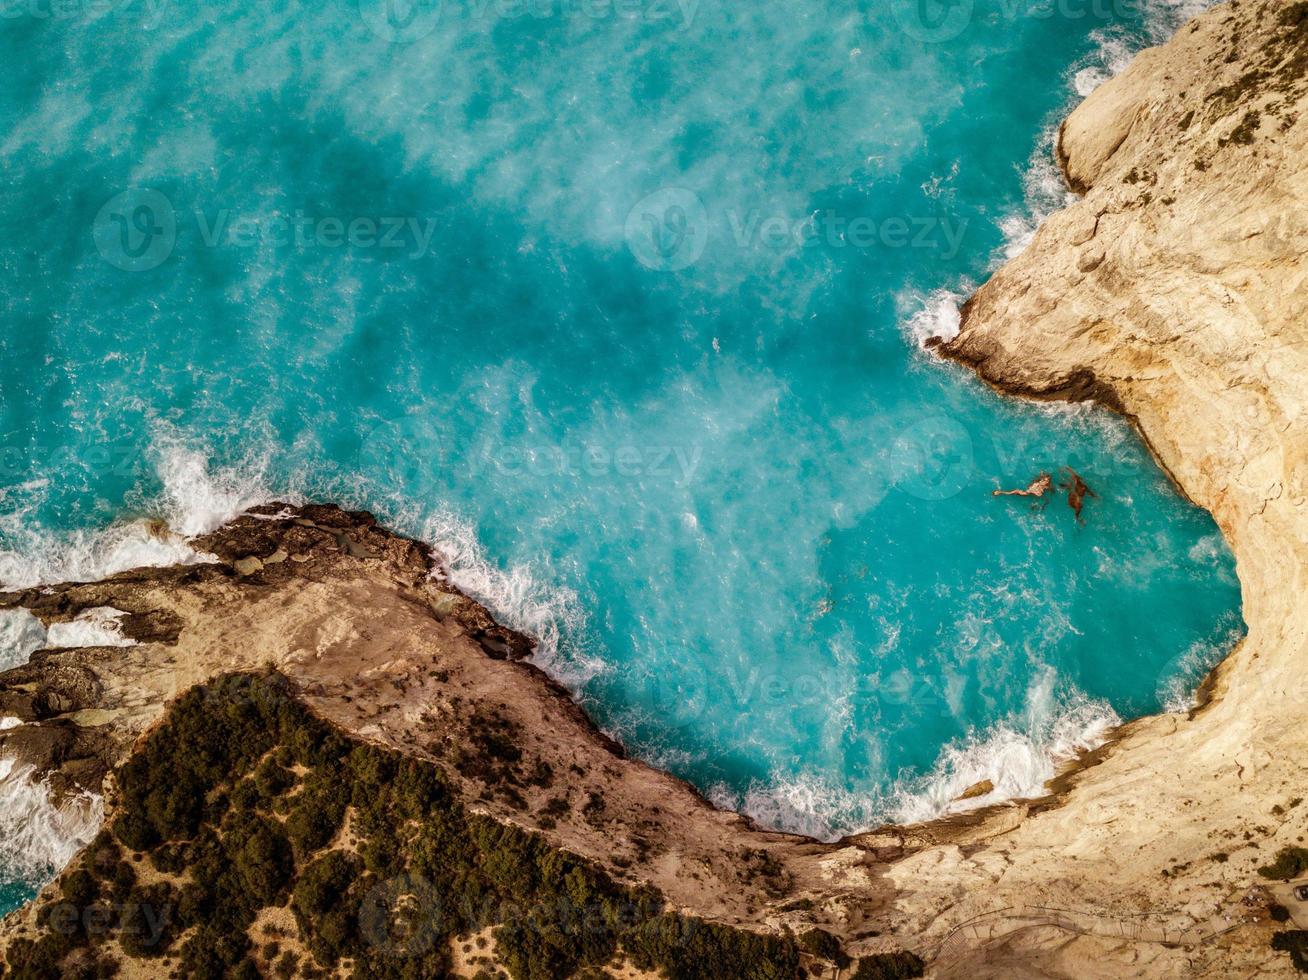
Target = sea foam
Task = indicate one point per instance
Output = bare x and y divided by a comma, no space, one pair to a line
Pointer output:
519,596
97,627
21,635
1018,756
194,498
37,837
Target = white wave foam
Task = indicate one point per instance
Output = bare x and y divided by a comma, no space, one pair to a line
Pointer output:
97,627
195,499
1163,18
1112,55
799,805
42,557
1018,756
1044,190
1114,49
938,314
36,837
1179,687
516,597
21,635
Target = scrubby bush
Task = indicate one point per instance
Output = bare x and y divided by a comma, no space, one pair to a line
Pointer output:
822,944
1294,942
1290,862
690,949
902,965
199,797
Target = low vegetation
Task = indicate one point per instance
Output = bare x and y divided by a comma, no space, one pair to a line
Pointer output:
1290,862
243,802
890,966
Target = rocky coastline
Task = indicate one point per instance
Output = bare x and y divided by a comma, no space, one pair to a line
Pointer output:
1174,292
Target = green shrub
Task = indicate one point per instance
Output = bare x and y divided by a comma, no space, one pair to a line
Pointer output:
1290,862
1294,942
690,949
822,944
902,965
197,798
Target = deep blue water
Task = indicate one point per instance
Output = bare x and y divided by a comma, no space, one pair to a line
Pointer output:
619,305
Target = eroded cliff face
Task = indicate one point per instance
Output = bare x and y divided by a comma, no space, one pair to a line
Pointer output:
372,640
1176,291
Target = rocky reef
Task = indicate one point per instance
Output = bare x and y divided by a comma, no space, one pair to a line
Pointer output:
315,642
355,633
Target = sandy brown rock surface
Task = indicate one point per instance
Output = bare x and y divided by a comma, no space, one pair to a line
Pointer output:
1176,291
361,622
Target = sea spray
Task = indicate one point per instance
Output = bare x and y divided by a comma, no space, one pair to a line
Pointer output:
99,626
521,597
38,837
21,635
1017,756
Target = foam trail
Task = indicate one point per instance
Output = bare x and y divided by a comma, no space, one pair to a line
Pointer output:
1044,189
1018,756
799,805
44,558
937,314
195,499
516,597
98,627
1181,678
1113,55
21,635
37,837
1044,192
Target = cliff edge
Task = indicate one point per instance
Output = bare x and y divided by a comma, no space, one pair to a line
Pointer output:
1176,292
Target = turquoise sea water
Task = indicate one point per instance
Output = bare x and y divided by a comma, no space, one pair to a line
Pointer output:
618,303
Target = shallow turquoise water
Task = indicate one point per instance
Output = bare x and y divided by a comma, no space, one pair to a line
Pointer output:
618,306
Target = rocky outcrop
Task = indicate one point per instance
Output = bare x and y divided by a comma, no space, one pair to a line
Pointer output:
1176,292
377,643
